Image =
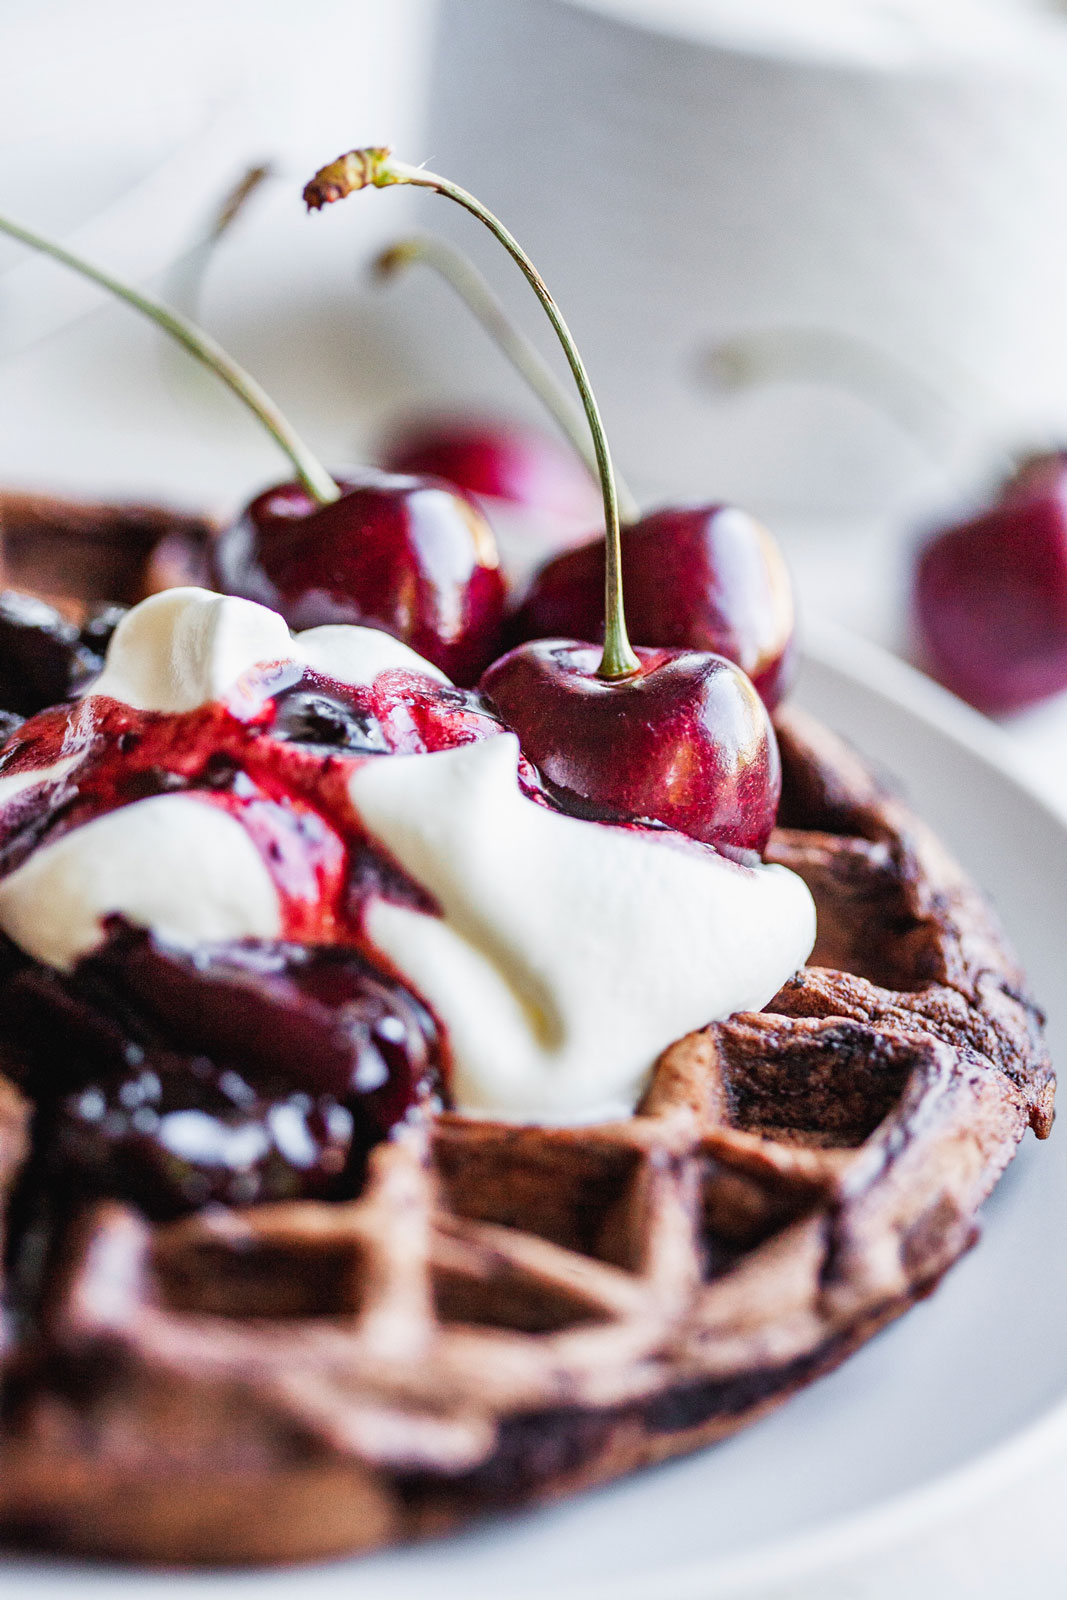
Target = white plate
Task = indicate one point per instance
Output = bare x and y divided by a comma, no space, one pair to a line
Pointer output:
938,1411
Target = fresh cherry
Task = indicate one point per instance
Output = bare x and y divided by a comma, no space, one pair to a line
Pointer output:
699,577
680,738
407,554
991,594
686,741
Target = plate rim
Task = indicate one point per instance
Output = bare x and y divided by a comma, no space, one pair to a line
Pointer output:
912,1512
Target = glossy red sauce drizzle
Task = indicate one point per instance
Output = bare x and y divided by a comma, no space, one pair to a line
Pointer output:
277,756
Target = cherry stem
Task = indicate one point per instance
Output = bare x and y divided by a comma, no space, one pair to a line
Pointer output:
316,480
376,167
463,276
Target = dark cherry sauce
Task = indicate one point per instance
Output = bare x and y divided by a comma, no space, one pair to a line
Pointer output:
255,1070
245,1072
279,763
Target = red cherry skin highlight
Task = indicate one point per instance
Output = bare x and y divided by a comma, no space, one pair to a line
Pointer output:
701,577
686,742
409,555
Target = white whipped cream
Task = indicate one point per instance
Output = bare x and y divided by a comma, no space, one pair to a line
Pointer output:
567,953
186,647
173,863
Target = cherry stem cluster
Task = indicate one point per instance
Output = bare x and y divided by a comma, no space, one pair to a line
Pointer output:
462,276
376,167
312,474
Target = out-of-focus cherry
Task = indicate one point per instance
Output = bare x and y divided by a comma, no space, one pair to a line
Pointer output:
410,555
680,737
697,577
685,741
499,460
991,594
534,491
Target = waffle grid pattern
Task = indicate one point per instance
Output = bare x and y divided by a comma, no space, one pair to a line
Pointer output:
510,1313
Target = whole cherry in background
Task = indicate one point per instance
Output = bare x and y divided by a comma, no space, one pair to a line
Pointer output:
678,737
539,496
991,593
412,556
499,462
698,576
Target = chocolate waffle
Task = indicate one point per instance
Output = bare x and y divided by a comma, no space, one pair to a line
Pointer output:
506,1314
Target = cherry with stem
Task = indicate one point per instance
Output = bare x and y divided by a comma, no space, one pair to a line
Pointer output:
461,274
377,167
411,556
670,736
702,576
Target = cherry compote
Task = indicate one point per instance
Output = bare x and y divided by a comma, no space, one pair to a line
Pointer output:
278,756
254,1070
238,1073
44,658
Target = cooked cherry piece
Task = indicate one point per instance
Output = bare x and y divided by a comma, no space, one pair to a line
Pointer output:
318,1016
403,714
102,620
699,577
991,594
498,460
173,1134
326,721
43,658
236,1073
410,555
686,741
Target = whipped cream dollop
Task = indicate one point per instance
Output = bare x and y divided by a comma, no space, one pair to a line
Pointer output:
560,955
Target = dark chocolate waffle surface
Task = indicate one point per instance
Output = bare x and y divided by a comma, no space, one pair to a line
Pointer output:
505,1314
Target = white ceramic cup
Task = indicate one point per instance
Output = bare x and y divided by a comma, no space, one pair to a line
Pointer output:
867,205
